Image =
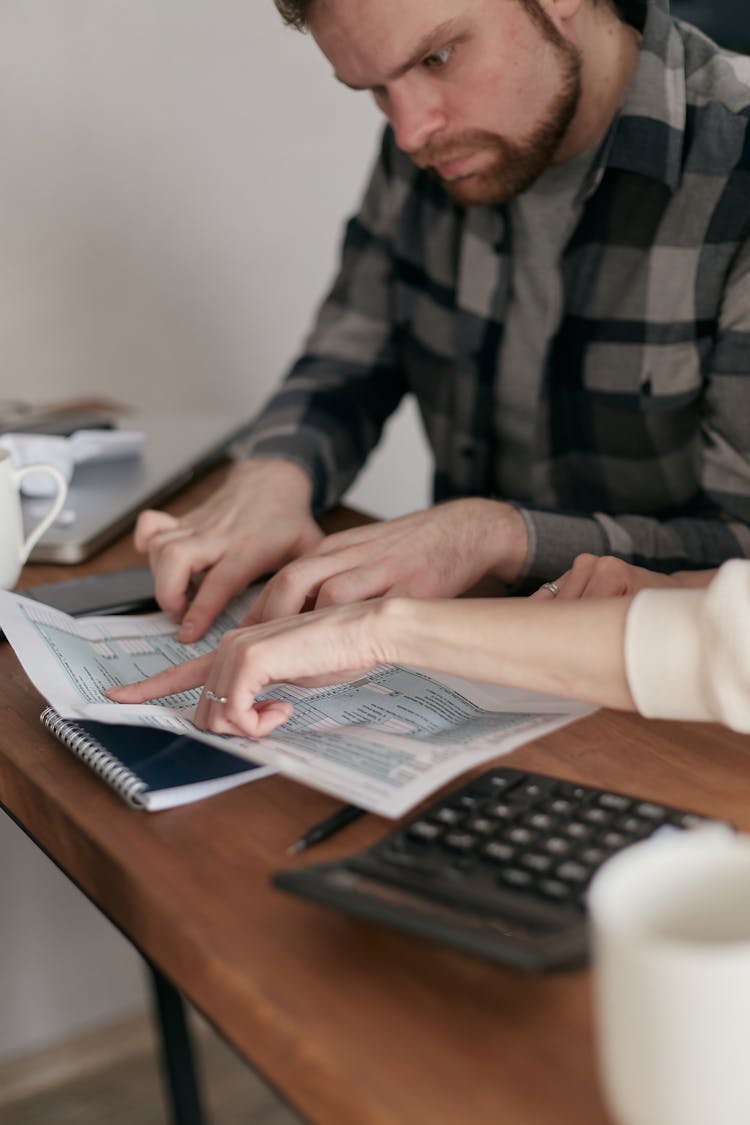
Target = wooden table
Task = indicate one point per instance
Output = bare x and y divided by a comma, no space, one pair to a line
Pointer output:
351,1022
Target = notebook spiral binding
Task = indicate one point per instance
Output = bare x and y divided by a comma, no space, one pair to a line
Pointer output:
91,752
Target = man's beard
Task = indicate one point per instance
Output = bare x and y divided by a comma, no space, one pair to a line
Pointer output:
515,165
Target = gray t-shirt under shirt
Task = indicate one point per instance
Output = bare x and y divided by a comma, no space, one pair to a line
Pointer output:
541,223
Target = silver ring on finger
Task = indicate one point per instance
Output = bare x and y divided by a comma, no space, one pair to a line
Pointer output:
214,697
553,588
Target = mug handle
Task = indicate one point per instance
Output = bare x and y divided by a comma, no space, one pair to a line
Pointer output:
49,518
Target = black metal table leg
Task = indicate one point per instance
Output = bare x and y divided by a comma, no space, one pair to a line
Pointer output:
177,1052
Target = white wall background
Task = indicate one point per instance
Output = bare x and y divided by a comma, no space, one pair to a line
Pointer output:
173,176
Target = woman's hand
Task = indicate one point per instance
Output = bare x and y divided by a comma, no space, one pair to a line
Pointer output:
323,646
594,576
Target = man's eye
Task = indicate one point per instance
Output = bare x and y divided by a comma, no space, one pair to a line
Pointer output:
438,58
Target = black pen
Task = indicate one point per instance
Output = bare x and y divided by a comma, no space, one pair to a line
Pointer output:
325,828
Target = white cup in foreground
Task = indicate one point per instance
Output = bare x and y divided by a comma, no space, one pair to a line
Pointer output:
14,549
671,941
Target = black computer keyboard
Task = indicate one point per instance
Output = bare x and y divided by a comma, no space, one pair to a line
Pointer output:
498,868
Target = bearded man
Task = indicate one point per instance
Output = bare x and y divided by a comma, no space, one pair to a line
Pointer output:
553,257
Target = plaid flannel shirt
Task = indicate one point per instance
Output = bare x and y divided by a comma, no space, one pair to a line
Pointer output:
641,442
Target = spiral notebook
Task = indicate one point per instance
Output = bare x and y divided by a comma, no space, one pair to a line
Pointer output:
151,769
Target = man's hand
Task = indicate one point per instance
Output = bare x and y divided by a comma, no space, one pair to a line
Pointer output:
437,553
256,522
593,576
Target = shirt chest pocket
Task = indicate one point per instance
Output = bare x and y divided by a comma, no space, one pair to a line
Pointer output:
656,371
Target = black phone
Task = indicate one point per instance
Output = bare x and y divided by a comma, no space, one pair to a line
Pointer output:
120,591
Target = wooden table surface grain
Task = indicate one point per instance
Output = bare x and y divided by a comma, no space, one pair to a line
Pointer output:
352,1023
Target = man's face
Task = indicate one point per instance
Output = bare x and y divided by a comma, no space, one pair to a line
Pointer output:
479,91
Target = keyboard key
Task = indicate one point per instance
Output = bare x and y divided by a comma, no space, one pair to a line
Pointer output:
495,783
460,841
615,801
573,872
515,877
597,816
500,782
593,856
578,831
691,820
536,788
542,821
482,825
557,846
537,862
448,815
554,888
521,835
425,830
561,806
635,826
650,810
498,852
501,811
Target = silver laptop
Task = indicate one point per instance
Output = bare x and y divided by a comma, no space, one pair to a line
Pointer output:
104,498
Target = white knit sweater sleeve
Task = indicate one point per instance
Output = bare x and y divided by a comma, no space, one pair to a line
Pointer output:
687,652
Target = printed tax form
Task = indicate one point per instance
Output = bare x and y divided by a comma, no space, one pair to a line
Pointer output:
383,741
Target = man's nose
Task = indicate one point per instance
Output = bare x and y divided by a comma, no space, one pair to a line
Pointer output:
416,116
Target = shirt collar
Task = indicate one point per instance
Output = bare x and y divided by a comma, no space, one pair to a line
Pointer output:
648,134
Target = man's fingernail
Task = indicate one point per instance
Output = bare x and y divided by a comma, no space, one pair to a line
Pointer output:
187,629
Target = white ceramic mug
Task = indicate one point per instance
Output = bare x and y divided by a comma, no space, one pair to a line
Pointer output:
14,549
671,939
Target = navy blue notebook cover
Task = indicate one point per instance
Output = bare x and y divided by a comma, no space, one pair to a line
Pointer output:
152,769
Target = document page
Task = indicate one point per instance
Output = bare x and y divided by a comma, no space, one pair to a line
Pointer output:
384,741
